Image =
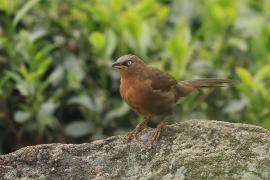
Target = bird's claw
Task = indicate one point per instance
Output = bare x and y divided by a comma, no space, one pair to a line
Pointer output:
131,135
157,132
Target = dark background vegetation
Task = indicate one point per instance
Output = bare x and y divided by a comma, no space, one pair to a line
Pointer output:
56,83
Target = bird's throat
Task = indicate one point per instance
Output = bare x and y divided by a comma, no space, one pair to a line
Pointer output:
125,74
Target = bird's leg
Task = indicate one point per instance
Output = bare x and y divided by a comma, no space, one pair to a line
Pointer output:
156,135
136,131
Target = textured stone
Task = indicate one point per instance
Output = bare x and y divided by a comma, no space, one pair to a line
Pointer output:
187,150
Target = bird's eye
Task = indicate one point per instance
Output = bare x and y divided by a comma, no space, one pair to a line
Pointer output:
129,63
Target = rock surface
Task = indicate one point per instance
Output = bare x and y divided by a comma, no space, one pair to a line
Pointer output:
187,150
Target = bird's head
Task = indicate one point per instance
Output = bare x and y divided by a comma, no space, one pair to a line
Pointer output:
128,64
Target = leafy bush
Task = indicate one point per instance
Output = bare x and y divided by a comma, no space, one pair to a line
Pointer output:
56,83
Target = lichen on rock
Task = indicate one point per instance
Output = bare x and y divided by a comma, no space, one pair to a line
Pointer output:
187,150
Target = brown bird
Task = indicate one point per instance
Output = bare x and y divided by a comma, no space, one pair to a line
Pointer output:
152,92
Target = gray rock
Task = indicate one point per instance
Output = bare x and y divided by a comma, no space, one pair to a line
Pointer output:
187,150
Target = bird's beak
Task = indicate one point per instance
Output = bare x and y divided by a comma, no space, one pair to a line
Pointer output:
118,65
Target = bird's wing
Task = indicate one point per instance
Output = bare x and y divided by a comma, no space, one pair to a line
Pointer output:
160,80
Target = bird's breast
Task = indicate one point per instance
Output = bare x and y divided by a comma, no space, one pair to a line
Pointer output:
139,95
134,92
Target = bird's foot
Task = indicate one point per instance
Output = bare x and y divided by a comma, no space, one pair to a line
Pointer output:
157,132
131,135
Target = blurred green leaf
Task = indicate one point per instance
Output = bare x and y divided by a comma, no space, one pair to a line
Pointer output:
45,115
244,75
116,113
78,129
238,43
21,13
145,39
263,73
180,49
75,71
111,41
56,76
117,5
21,116
84,101
25,88
236,106
98,40
8,5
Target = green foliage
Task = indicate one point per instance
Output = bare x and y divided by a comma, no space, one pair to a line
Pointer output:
56,83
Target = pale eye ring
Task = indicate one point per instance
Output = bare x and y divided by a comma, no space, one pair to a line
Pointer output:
129,63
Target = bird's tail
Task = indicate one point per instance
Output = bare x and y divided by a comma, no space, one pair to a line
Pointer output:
187,86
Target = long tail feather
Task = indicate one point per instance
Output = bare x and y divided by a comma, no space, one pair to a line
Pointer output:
187,86
209,82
